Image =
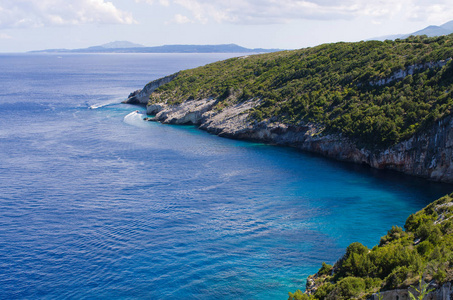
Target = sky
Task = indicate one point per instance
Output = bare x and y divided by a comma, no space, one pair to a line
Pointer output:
285,24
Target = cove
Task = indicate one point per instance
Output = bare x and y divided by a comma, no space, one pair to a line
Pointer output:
96,203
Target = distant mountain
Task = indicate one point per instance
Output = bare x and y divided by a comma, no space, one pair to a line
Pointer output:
127,47
120,44
448,26
430,31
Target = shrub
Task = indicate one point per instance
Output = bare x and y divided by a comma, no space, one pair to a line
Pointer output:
348,288
324,290
424,248
298,295
325,269
396,278
393,234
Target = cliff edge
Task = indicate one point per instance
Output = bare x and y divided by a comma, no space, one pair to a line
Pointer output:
426,154
385,104
142,96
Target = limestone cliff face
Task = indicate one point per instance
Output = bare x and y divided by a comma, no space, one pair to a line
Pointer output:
142,96
444,292
428,154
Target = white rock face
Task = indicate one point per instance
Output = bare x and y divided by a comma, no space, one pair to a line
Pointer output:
229,121
189,112
142,96
428,154
400,74
155,108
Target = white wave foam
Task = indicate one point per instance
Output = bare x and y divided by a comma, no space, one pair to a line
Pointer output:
102,104
135,118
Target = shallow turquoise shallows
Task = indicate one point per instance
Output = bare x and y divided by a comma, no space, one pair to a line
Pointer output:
95,203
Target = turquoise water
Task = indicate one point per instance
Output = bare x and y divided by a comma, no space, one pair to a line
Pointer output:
98,204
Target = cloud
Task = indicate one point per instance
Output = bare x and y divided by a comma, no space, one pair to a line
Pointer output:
280,11
4,36
180,19
203,10
32,13
161,2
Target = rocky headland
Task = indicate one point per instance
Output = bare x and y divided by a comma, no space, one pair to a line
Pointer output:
426,154
388,105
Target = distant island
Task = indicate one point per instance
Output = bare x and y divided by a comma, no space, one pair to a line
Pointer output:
128,47
430,31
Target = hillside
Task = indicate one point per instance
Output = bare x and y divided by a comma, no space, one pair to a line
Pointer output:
424,248
372,102
336,85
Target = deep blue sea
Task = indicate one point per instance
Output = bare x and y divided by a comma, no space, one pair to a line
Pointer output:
97,204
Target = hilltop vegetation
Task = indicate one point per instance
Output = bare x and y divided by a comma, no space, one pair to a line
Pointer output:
424,248
334,86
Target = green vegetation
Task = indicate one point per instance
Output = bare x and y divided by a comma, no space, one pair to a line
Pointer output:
422,290
333,85
377,94
423,250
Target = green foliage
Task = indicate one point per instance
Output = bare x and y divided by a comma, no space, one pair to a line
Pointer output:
425,246
325,269
348,288
298,295
355,262
372,283
324,290
356,248
393,234
335,85
396,278
440,275
422,290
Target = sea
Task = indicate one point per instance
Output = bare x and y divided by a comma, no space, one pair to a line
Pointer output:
96,203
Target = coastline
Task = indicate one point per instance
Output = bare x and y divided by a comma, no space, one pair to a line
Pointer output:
423,155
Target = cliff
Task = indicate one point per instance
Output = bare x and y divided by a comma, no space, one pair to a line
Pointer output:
142,96
426,154
384,104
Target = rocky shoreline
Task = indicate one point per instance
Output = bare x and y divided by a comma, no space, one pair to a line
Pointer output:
426,154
